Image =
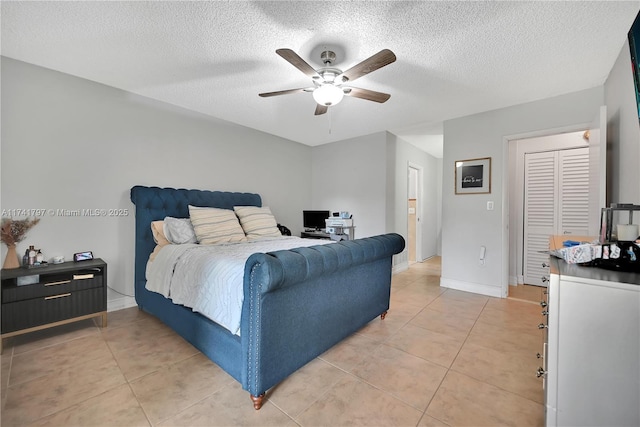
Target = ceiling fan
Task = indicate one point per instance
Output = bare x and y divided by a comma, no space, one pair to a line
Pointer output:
329,83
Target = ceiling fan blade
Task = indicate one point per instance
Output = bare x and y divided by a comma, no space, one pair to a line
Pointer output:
370,95
297,62
379,60
321,109
282,92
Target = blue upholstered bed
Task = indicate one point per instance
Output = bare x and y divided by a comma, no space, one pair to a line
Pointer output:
297,304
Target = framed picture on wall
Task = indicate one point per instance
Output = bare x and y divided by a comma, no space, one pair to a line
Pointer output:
473,176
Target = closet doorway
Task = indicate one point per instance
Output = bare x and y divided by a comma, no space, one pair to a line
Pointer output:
556,202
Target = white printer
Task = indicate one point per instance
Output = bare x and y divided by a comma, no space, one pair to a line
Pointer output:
338,222
340,228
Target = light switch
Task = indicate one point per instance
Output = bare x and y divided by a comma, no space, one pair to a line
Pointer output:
490,206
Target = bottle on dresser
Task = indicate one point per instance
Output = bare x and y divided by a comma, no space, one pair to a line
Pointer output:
32,255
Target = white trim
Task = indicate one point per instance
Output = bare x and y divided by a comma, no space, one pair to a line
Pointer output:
476,288
400,267
419,209
120,303
506,140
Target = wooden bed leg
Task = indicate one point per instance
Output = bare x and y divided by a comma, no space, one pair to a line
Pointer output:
257,401
383,315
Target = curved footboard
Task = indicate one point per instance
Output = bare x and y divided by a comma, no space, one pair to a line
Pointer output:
299,303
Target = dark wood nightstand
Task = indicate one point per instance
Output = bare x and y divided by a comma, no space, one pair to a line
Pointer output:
56,294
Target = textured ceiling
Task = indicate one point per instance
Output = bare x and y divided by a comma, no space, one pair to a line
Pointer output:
454,58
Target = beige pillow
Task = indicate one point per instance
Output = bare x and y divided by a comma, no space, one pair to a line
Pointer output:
157,229
257,222
213,225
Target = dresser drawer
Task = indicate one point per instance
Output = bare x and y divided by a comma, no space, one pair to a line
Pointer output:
52,308
53,284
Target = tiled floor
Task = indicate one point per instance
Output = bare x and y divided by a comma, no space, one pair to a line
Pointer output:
441,357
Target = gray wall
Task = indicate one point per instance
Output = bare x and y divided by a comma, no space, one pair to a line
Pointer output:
351,175
623,132
367,176
403,154
69,143
466,223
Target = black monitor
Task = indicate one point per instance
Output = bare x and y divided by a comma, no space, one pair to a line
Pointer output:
314,219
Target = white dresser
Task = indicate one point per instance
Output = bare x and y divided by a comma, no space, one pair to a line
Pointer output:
592,354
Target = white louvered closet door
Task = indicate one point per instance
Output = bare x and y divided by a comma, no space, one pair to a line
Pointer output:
540,212
573,199
556,202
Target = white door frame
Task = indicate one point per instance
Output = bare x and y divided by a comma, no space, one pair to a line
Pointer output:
506,140
419,199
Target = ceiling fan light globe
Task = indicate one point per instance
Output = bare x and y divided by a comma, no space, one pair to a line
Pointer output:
328,94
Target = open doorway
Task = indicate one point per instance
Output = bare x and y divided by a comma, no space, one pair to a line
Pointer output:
414,212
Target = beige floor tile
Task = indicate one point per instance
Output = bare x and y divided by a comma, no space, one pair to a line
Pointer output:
409,378
52,336
427,278
305,386
419,296
137,333
348,353
517,306
526,292
505,338
46,360
428,421
381,329
385,374
175,387
511,371
352,402
523,322
230,406
467,309
124,317
5,363
467,297
401,280
32,400
444,323
432,346
114,408
151,354
464,401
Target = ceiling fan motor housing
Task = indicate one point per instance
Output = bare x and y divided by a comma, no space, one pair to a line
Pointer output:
328,57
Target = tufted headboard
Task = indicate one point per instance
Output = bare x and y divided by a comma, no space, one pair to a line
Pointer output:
155,203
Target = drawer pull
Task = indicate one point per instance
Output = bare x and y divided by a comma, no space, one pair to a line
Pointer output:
61,282
68,294
82,276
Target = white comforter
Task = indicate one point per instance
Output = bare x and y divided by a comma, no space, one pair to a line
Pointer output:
209,278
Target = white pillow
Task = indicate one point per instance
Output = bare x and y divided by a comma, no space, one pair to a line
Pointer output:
213,225
257,222
179,230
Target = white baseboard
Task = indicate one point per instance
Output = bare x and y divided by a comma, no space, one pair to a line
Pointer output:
120,303
476,288
400,267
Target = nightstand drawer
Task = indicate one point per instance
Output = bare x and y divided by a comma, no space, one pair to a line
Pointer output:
53,284
52,308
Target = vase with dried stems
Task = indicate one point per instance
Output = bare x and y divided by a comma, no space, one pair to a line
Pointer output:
12,232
